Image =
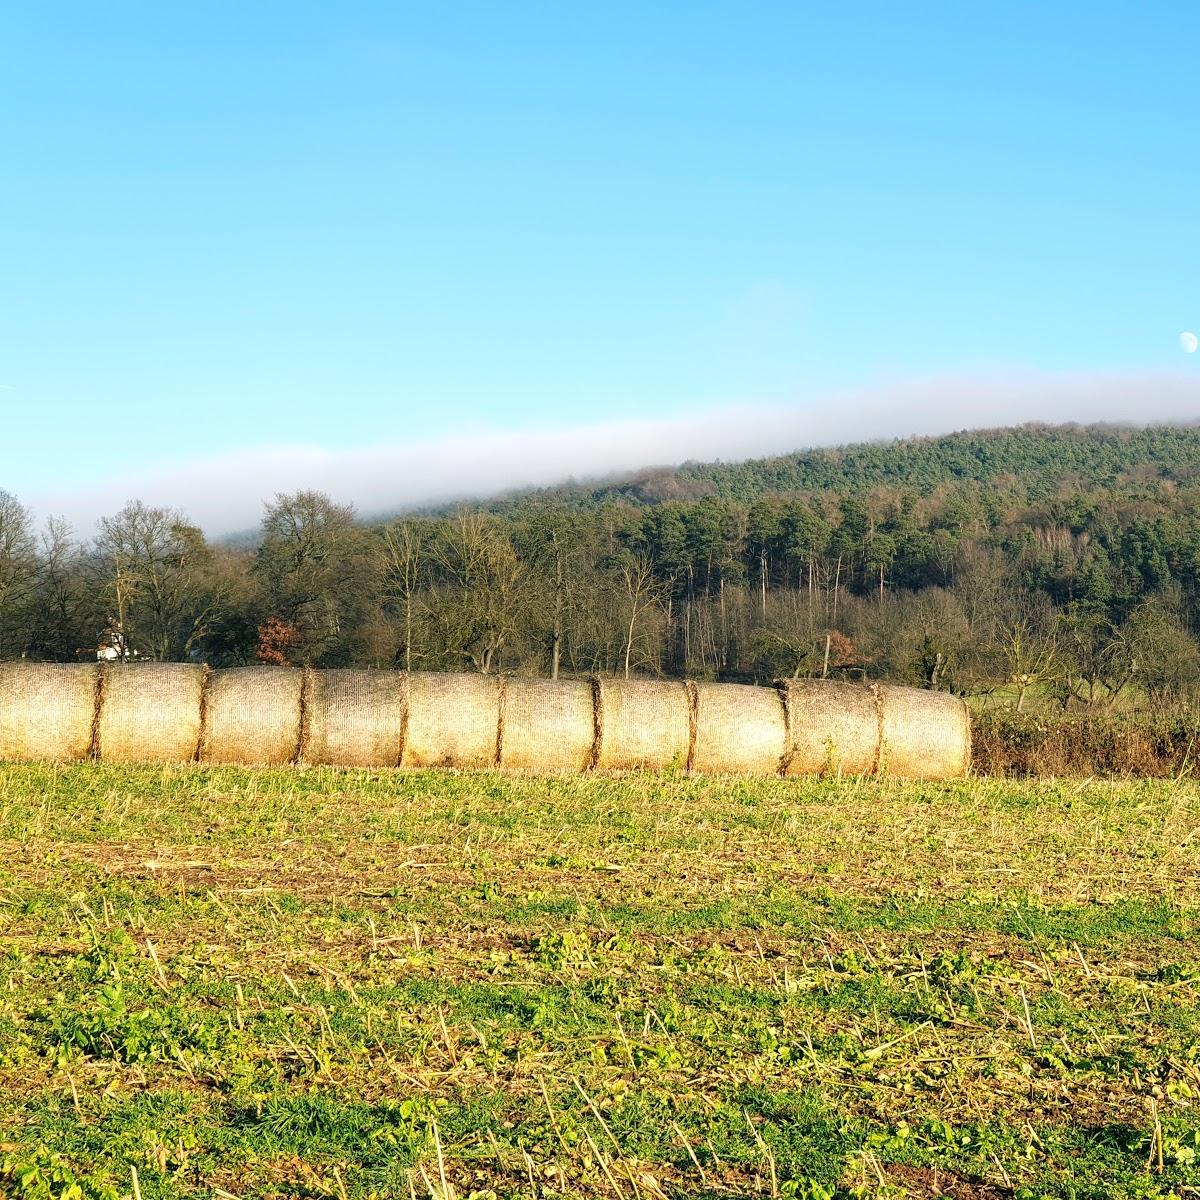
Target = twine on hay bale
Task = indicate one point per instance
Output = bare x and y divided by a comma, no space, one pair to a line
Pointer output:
252,716
739,730
926,735
549,725
832,727
47,710
356,718
643,724
453,720
150,712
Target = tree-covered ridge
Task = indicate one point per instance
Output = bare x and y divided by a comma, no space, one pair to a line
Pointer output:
1063,562
1035,460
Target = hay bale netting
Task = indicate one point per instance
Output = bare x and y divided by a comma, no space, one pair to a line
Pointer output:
453,720
643,724
357,718
47,710
926,735
252,716
150,712
549,725
834,727
739,729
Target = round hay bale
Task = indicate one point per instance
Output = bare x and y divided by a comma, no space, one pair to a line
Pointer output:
453,720
643,724
150,712
739,730
47,710
833,727
926,735
356,718
252,716
549,725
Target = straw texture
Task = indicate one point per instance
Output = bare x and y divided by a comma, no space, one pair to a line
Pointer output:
176,712
643,725
453,720
549,725
356,718
739,730
47,710
926,735
252,716
834,727
150,712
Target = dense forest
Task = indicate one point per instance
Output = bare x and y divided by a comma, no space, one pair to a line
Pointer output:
1059,562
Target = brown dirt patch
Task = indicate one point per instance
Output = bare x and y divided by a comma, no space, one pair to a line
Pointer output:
921,1182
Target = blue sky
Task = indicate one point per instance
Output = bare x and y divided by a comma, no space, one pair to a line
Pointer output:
339,228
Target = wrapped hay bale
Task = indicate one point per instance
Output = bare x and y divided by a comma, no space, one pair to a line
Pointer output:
642,724
150,712
926,735
832,727
739,729
47,710
252,716
453,720
549,725
356,718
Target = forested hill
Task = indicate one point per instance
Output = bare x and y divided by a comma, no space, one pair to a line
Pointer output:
1037,461
1052,560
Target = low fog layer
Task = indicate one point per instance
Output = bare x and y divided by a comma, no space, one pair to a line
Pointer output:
225,493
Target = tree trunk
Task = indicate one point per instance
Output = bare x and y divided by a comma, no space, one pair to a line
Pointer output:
723,660
937,668
629,639
556,644
687,619
408,632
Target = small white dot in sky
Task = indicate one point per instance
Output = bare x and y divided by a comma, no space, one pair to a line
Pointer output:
1188,342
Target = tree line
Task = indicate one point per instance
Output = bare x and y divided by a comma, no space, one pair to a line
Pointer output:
1081,592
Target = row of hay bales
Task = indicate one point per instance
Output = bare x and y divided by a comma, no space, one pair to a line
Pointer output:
174,712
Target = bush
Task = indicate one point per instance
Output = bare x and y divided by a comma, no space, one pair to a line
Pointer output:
1005,742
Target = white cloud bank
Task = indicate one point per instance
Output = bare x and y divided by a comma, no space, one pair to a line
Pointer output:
225,493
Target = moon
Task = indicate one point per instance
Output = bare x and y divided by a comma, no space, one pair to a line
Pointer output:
1188,342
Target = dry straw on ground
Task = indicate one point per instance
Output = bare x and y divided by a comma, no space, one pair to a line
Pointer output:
356,718
47,710
150,712
252,716
453,720
643,725
739,730
549,725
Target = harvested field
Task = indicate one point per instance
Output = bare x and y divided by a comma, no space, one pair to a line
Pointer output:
218,982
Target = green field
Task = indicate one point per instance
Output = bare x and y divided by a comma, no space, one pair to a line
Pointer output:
312,983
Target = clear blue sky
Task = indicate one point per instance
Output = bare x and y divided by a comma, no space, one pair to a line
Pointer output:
224,225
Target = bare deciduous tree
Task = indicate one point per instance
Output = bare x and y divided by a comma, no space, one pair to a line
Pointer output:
401,569
151,564
18,571
644,592
478,604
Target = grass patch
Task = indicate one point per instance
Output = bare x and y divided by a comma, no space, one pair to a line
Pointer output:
314,983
